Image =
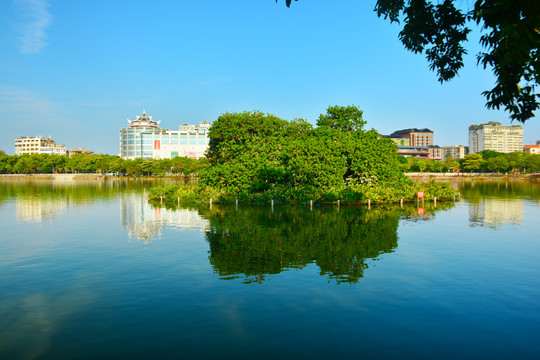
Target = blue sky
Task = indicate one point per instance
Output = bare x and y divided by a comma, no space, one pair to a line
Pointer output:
75,70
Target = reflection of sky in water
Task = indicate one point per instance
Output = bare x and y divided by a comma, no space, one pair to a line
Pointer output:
34,320
72,284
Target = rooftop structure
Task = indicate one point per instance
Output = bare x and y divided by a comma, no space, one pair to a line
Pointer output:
420,152
432,152
533,149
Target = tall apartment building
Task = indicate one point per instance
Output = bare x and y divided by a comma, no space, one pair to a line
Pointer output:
456,152
38,145
495,136
416,137
145,139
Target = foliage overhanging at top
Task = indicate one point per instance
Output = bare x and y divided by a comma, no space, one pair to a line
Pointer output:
511,39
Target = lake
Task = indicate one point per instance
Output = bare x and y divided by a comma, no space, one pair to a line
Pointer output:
91,270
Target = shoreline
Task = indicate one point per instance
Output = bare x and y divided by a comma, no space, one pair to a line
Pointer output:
470,176
101,177
85,177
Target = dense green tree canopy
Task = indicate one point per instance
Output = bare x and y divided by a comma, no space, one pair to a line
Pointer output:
252,151
256,156
344,118
511,38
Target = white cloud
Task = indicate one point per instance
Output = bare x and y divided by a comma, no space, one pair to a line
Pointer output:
36,20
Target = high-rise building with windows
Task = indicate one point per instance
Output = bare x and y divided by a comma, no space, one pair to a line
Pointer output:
495,136
145,139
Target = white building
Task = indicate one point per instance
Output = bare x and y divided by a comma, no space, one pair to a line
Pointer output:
495,136
145,139
38,145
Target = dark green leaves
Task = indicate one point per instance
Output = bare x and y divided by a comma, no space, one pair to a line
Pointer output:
511,38
256,153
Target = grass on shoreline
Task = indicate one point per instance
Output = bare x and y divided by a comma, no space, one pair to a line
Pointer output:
352,194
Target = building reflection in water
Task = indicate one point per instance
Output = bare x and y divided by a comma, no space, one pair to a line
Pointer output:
492,213
144,222
38,210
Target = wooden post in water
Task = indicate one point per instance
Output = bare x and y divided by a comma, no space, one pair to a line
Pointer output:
401,202
338,203
435,201
272,202
369,204
236,202
210,201
311,204
161,199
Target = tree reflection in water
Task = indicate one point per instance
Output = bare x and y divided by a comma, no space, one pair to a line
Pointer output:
251,242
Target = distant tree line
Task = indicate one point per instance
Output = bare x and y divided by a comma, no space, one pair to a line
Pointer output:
484,161
104,164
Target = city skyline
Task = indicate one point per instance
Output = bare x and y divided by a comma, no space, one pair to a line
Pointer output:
76,72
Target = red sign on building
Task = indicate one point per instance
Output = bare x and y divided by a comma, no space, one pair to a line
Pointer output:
156,144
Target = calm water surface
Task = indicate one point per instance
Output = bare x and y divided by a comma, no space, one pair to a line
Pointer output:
90,270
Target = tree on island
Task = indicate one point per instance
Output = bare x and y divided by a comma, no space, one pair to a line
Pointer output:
511,38
258,157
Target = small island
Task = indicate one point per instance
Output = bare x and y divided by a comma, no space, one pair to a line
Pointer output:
259,158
